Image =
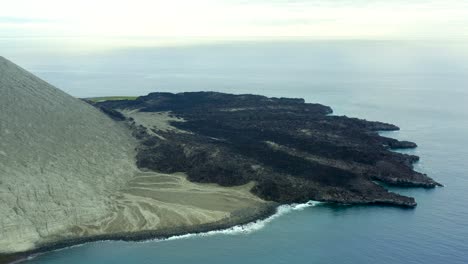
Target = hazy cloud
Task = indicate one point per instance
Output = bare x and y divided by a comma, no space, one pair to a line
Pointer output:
375,19
23,20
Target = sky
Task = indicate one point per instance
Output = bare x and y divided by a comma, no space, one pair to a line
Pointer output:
320,19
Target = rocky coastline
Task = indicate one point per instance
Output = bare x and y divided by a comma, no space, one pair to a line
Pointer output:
294,151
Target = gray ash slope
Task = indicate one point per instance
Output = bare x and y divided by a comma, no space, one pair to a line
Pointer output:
60,159
294,151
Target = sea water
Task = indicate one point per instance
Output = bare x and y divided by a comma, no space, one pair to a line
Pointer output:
421,86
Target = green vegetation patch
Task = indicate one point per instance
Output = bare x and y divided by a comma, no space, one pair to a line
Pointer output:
111,98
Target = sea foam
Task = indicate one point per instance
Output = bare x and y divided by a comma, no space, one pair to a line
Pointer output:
235,230
250,227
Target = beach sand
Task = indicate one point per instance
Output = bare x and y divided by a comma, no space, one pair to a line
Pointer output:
153,201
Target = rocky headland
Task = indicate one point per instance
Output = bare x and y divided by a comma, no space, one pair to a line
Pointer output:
74,171
294,151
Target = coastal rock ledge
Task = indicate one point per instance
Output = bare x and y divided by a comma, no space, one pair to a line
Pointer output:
294,151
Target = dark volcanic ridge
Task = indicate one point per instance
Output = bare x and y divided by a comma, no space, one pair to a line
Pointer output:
294,151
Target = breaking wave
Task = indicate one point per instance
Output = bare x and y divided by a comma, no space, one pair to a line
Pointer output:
250,227
235,230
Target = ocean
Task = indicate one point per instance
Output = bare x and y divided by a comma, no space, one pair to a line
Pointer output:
421,86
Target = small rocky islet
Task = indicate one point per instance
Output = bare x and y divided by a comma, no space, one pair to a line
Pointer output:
294,151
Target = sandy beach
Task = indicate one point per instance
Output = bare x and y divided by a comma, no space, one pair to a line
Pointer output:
154,205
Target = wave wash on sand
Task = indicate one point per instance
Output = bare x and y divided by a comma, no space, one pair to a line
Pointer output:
250,227
243,229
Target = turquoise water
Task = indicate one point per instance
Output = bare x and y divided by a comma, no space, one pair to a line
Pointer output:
422,87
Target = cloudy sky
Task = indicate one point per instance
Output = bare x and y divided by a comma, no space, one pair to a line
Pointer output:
378,19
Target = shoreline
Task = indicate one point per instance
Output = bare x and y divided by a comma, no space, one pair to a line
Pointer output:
269,210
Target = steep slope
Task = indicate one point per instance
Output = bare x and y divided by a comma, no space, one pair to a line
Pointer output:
59,160
68,174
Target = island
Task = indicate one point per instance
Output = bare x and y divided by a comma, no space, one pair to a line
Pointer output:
137,168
